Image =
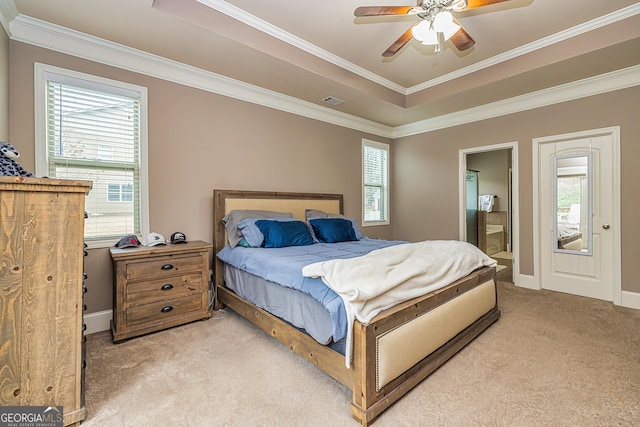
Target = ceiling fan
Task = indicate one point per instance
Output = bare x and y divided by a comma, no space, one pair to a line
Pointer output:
436,23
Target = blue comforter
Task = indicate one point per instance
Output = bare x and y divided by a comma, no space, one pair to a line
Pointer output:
284,266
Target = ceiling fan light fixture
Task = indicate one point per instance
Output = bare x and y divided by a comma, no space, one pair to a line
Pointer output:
437,24
421,31
444,24
431,38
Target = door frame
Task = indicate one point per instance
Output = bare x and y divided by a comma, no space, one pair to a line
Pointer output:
536,143
515,217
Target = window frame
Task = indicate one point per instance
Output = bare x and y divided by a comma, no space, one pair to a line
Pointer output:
385,188
41,147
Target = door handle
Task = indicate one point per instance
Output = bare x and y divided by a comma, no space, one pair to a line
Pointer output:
606,226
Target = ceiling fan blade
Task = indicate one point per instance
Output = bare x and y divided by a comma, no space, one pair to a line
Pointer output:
382,10
472,4
461,39
398,44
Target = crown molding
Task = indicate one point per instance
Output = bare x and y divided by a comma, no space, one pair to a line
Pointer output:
594,24
277,32
603,83
53,37
270,29
8,12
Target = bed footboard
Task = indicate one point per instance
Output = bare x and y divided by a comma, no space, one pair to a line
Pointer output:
402,346
399,348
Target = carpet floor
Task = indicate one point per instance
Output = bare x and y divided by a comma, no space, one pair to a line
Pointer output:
551,360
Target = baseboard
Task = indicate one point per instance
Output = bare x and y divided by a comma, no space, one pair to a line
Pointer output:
526,281
630,299
98,321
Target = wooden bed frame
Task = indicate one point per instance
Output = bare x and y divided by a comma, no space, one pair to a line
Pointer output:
395,351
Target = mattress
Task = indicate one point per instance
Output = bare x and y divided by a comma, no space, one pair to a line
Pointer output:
284,266
291,305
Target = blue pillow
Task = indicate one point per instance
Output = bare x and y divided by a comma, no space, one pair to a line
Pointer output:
251,234
315,214
279,234
333,230
233,218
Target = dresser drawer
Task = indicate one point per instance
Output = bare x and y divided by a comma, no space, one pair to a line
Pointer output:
138,293
163,265
163,310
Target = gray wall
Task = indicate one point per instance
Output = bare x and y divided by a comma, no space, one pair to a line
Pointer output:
199,141
425,195
494,175
4,85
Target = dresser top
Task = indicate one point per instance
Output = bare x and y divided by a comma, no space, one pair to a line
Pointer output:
21,183
168,249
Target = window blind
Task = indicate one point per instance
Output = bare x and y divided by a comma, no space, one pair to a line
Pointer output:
375,178
93,133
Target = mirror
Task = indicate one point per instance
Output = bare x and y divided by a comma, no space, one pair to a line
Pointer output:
572,204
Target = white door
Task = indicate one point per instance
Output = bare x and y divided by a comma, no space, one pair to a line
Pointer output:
577,214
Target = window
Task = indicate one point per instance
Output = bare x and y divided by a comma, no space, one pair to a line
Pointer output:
375,178
94,129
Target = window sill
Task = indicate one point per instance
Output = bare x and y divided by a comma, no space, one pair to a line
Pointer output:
375,224
101,244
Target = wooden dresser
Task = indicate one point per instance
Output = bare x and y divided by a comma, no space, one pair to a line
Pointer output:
159,287
41,293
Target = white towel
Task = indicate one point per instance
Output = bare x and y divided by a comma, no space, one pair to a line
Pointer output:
485,202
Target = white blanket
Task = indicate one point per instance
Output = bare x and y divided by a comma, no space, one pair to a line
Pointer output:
386,277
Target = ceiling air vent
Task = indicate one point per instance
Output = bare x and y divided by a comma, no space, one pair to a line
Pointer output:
333,100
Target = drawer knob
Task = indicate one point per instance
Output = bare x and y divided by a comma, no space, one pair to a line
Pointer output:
166,287
166,309
167,267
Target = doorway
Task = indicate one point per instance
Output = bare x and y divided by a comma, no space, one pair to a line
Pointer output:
576,231
494,227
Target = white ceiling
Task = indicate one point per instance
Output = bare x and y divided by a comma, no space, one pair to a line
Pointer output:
310,50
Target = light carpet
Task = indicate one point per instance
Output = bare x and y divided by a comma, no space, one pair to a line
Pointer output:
551,360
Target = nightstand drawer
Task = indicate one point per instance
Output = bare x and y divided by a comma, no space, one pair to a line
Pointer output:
138,293
163,310
163,265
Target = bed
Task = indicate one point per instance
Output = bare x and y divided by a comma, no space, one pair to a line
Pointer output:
391,353
569,236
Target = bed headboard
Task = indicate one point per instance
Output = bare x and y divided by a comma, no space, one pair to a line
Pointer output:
224,201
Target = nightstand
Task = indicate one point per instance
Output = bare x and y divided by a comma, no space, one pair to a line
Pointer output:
158,287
